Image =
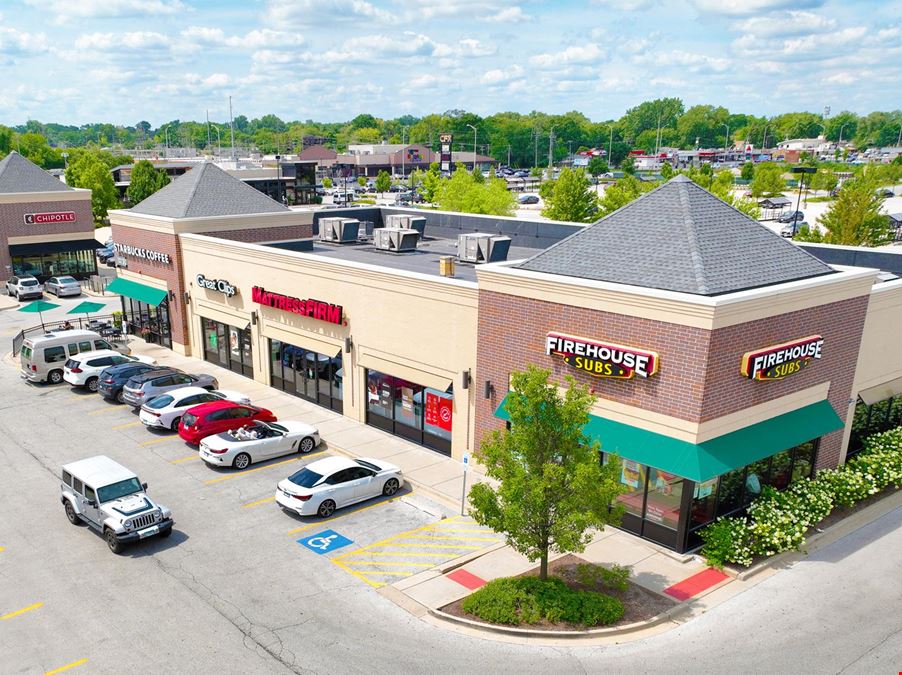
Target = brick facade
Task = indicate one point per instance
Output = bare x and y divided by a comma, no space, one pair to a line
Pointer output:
12,223
255,235
699,376
170,273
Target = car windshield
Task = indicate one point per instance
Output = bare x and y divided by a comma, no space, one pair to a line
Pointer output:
67,280
188,419
26,352
29,282
305,478
117,490
159,401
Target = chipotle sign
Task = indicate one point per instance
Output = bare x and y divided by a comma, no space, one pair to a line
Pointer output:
315,309
50,217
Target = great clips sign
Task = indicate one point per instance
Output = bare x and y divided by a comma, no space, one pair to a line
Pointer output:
52,217
315,309
779,361
600,359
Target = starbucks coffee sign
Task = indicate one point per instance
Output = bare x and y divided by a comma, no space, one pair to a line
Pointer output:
601,359
219,285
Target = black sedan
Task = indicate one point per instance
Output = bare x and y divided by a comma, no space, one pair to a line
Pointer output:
791,217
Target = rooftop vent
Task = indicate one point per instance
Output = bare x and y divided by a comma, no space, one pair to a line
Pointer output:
395,239
340,230
407,221
481,247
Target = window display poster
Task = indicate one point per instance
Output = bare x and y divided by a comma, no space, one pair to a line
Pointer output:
407,399
704,490
385,394
629,474
234,345
438,411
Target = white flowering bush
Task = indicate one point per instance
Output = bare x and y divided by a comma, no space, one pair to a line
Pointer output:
778,521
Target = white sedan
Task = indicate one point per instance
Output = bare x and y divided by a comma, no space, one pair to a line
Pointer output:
257,442
165,411
334,482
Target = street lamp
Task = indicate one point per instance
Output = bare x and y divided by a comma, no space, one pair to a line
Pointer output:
764,139
403,151
218,141
474,145
725,141
840,133
610,143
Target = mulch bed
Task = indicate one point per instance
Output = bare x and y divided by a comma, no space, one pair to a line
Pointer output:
639,604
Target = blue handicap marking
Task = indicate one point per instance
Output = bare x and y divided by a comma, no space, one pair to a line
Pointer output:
325,541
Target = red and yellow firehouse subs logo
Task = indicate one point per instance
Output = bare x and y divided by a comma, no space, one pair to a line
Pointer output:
600,359
779,361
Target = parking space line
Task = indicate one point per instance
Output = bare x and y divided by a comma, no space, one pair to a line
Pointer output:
21,611
402,554
103,411
445,546
389,563
304,528
426,536
189,458
396,537
159,440
126,426
258,502
238,474
2,549
74,664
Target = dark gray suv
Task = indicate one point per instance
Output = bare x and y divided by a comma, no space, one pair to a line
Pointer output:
141,388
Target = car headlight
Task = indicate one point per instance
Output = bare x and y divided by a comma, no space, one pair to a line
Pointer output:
128,526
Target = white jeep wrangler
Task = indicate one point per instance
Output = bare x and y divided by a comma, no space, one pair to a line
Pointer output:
111,499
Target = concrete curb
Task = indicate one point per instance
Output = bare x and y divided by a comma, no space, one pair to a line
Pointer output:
634,627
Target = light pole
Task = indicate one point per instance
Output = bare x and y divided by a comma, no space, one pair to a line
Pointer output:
725,141
570,152
403,150
839,142
551,153
899,139
764,139
474,145
167,143
610,144
218,141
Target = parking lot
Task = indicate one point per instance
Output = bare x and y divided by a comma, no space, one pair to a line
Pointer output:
238,569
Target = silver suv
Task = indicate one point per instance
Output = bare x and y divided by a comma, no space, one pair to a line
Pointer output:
111,499
143,387
24,287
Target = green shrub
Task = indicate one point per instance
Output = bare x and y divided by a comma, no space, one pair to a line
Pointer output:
614,578
528,600
847,485
727,540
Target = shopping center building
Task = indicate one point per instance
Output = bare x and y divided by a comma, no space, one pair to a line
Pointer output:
46,227
723,358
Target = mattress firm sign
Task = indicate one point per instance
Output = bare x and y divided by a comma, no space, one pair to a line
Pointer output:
54,217
143,253
315,309
779,361
220,285
600,359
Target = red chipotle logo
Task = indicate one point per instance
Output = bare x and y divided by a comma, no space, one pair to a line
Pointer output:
600,359
779,361
44,218
315,309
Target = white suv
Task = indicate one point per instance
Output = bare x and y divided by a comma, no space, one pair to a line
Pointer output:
84,369
111,499
24,288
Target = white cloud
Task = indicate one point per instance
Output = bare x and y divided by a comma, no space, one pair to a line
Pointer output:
14,42
815,46
255,39
404,45
843,78
111,42
498,76
626,5
513,14
321,12
191,84
785,23
588,53
685,60
467,47
749,7
62,10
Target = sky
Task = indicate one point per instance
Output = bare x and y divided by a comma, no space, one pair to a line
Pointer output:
122,61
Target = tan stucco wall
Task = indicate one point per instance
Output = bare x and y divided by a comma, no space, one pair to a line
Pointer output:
421,327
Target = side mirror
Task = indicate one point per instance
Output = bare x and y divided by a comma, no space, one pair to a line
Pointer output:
144,485
91,502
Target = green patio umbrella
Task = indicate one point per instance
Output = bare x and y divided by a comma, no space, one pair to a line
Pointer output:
37,307
86,308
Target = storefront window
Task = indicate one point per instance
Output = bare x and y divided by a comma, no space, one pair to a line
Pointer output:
731,492
780,467
80,264
874,419
803,463
704,500
438,413
148,322
665,494
632,476
307,374
227,346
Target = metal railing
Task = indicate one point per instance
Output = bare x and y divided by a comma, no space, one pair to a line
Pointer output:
101,323
96,283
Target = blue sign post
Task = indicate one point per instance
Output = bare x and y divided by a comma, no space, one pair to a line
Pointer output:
324,542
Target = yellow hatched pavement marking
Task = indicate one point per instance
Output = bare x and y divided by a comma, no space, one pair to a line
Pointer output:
103,411
387,540
387,563
2,549
160,440
247,471
74,664
304,528
402,554
10,615
258,502
126,426
189,458
428,538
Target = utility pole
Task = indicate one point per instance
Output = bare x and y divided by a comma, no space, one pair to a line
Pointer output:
209,140
535,161
610,143
232,127
551,153
508,154
474,145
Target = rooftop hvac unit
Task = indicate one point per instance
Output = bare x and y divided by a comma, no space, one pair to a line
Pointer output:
396,220
417,223
480,247
327,232
395,239
340,230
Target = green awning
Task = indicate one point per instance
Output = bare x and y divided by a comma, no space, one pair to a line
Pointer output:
702,461
135,291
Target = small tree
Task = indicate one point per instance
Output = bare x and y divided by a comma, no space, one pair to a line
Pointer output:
552,489
432,180
383,181
361,180
91,173
824,180
854,218
145,181
597,166
477,175
327,182
628,165
768,180
667,171
572,198
748,171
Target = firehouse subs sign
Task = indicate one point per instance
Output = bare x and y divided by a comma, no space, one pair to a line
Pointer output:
779,361
601,359
44,218
315,309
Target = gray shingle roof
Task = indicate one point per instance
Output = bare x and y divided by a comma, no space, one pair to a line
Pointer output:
207,191
679,237
18,174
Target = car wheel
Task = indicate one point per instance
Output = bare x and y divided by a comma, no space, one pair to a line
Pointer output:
111,541
242,461
326,509
70,513
391,487
120,397
175,424
307,444
55,376
91,384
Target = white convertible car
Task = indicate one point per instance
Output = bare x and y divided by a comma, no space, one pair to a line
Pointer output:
334,482
257,442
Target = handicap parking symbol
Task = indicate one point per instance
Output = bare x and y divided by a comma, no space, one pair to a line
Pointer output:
325,541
